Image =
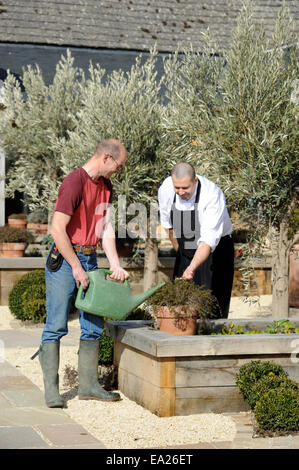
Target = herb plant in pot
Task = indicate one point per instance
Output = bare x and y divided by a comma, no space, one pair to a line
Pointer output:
17,220
178,304
38,221
13,241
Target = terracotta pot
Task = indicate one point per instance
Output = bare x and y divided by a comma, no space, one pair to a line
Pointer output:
17,223
181,323
12,250
38,228
294,277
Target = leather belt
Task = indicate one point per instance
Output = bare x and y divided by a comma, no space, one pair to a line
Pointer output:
85,250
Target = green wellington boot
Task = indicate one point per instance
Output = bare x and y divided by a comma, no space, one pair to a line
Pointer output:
49,361
89,387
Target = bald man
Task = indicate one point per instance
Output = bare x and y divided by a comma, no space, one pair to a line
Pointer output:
193,210
80,219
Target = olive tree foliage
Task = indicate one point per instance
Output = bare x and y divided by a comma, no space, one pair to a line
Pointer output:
125,106
232,116
30,125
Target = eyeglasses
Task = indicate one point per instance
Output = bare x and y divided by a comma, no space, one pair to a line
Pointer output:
119,167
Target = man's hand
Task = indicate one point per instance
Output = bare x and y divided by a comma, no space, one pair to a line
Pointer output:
80,277
119,274
188,273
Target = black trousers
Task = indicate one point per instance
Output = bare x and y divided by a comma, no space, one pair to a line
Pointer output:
215,274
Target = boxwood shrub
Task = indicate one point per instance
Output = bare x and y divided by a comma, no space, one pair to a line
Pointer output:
278,410
27,299
267,383
249,374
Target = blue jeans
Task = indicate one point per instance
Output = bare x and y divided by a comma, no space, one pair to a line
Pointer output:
60,289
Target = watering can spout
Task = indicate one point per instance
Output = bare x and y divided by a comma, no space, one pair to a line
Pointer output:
140,298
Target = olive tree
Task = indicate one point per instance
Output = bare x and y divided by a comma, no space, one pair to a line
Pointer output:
30,124
125,106
231,113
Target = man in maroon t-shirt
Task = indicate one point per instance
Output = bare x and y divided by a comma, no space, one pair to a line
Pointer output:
81,217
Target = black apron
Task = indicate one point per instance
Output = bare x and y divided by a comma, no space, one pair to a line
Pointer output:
217,272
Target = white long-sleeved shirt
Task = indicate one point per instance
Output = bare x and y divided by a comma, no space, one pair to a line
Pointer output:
212,212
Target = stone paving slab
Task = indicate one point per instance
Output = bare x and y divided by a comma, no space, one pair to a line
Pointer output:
33,416
25,398
7,369
21,437
67,435
4,402
16,383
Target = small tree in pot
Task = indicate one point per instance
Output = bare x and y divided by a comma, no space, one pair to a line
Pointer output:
178,304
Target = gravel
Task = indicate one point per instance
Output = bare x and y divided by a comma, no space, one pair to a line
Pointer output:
125,424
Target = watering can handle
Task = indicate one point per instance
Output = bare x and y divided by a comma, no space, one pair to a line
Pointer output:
108,272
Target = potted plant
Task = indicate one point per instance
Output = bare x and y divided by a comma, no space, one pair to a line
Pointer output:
17,220
38,221
13,241
178,304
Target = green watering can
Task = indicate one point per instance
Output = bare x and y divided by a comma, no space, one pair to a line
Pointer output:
109,298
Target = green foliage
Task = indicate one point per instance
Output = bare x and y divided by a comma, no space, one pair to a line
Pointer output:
12,234
278,410
27,299
278,326
240,116
31,123
106,349
187,293
233,329
272,395
282,326
123,106
39,216
267,383
249,374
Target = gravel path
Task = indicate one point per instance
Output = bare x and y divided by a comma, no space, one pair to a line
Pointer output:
125,424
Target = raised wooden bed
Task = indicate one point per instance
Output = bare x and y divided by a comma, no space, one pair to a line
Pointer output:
172,376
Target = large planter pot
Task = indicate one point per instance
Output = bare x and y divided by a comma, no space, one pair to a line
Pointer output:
17,223
37,228
178,321
178,376
12,250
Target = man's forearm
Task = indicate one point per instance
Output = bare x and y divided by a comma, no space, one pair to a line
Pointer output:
109,247
201,255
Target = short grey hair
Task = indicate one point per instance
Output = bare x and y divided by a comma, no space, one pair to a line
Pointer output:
110,146
182,169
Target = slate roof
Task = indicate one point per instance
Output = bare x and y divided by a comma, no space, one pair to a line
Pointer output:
127,24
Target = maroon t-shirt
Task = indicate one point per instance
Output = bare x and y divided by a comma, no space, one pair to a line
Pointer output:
86,201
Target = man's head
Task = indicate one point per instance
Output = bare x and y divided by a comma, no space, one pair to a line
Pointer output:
184,180
112,155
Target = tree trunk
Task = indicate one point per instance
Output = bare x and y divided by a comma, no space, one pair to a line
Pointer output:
280,271
150,263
